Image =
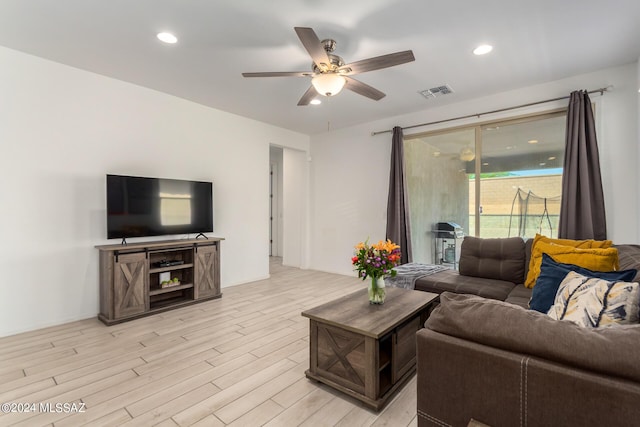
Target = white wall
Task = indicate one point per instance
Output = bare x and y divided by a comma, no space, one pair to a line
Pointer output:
638,126
61,130
349,186
295,207
350,168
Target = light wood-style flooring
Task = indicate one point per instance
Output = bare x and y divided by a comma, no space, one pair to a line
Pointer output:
236,361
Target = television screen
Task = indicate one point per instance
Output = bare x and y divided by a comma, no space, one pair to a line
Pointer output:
138,206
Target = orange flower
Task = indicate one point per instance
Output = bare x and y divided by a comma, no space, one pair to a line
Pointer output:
379,246
388,246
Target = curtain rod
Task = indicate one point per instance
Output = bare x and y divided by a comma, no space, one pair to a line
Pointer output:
602,90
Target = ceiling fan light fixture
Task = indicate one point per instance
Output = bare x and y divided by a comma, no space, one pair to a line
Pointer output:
328,84
330,74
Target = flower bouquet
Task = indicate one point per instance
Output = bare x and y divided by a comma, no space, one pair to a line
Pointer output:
376,261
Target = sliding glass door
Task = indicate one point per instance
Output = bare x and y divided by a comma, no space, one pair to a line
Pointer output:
498,179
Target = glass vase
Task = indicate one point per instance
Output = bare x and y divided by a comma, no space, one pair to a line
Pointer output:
376,290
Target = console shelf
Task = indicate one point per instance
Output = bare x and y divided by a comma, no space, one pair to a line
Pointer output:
170,268
159,291
130,281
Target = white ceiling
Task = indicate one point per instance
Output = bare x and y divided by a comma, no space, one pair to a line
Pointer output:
535,41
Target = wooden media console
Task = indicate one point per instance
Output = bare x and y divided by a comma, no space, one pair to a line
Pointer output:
130,276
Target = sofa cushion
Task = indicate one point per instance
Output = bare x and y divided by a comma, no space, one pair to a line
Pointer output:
519,295
553,273
450,280
597,259
500,259
629,257
609,351
592,302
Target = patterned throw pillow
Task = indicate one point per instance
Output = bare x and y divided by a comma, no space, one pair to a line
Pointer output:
592,302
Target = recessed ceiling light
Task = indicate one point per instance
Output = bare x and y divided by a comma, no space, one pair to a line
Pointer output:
483,49
315,102
485,164
167,38
509,147
532,141
552,158
542,163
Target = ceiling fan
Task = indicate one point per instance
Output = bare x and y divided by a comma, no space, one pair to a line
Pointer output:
329,72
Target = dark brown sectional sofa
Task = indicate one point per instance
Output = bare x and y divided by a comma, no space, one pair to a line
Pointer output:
492,361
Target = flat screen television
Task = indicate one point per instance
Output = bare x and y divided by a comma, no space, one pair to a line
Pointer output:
140,207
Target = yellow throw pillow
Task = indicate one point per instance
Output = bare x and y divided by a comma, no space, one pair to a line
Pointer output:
581,244
591,254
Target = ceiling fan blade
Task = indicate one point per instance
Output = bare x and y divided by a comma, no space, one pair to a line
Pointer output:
314,46
378,62
364,89
308,96
279,74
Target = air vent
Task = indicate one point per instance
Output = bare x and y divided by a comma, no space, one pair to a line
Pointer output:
437,91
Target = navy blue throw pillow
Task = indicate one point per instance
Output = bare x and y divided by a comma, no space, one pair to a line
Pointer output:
552,273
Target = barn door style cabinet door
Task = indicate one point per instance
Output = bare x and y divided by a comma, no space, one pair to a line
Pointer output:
143,278
129,285
207,271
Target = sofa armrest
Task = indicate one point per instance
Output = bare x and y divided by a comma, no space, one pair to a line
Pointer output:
459,380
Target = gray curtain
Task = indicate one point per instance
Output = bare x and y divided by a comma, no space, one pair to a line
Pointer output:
582,213
398,227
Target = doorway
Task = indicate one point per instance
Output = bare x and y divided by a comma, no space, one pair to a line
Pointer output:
275,201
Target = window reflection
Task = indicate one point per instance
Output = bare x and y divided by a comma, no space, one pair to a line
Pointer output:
175,203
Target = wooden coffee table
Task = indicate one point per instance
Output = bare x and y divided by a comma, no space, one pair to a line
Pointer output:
367,351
